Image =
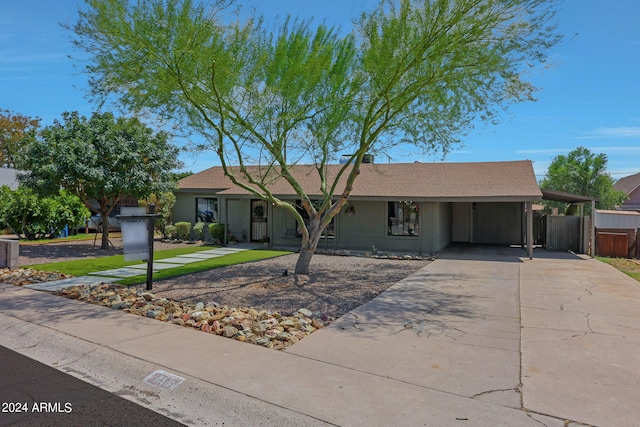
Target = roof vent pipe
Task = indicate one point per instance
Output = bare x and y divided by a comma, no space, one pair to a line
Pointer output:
367,158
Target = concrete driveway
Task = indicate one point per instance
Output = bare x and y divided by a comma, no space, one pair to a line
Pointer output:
556,337
580,340
480,337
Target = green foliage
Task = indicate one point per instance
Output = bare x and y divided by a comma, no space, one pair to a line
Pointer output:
584,173
198,227
177,176
100,159
183,229
419,72
16,132
163,203
171,231
31,216
217,231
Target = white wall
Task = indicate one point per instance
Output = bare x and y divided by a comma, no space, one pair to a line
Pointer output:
623,219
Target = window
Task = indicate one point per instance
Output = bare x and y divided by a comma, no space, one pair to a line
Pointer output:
403,219
328,233
206,210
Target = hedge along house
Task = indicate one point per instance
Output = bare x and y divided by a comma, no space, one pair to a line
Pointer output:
402,207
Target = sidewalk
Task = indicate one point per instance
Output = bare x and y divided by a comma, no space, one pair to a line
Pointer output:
444,347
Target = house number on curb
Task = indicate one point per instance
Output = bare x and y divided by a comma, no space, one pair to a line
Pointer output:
164,379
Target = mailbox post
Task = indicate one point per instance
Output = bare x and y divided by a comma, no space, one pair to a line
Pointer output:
137,239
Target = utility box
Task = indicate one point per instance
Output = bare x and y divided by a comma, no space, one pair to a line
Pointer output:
9,250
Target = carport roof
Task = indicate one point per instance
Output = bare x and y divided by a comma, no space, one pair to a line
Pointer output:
479,181
558,196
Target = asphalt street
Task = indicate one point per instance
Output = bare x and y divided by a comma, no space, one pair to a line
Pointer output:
33,394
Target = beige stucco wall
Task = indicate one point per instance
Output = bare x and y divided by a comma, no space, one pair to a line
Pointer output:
184,209
236,214
493,223
236,210
367,228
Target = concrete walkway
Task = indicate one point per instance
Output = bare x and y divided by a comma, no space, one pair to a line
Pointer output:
480,337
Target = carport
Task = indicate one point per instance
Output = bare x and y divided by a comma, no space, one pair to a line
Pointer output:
558,196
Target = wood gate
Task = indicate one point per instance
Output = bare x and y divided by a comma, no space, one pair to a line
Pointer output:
562,233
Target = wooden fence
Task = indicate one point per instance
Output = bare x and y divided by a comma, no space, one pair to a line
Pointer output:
618,242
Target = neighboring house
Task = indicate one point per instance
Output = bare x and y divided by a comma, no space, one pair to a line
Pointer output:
95,221
630,185
9,177
410,207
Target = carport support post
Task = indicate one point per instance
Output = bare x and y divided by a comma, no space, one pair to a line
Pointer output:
592,250
530,229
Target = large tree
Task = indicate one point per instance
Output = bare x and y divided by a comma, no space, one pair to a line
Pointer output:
16,132
418,72
100,159
585,173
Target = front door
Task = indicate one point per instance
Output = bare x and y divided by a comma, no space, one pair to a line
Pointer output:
258,220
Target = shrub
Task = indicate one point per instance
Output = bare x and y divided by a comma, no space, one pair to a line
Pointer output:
171,231
199,229
183,229
217,231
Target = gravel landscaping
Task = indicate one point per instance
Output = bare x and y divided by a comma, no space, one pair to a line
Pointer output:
336,285
249,302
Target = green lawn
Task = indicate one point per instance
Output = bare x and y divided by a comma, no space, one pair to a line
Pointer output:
90,265
627,266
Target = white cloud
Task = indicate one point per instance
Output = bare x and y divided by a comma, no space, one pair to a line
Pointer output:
620,149
619,132
546,151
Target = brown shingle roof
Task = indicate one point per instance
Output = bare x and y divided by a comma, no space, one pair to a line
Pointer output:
436,181
628,183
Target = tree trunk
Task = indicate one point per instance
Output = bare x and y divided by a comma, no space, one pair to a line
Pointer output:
309,245
304,260
104,220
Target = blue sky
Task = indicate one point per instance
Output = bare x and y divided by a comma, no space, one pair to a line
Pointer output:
590,97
